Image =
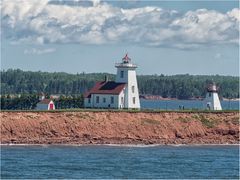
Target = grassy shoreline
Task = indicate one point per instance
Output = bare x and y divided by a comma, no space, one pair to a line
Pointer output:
125,110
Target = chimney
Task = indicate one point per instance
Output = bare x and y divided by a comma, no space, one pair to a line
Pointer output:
41,96
106,78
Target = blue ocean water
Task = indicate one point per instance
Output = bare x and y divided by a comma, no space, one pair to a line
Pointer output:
120,162
188,104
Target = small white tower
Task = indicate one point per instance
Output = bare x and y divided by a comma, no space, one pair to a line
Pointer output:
212,100
126,74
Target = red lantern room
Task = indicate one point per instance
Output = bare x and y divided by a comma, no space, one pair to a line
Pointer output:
126,59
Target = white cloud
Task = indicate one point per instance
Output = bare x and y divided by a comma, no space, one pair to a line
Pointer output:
43,22
34,51
218,56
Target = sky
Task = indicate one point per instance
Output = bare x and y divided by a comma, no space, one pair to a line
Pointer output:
161,37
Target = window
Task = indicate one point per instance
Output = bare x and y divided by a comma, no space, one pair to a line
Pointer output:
112,99
97,99
89,100
121,74
121,100
133,89
104,100
134,100
209,94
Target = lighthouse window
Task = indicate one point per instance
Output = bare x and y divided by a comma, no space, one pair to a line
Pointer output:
121,74
134,100
133,89
97,99
112,100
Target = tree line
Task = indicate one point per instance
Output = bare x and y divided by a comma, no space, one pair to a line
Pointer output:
26,102
175,86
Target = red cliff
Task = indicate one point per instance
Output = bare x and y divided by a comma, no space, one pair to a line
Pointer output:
119,128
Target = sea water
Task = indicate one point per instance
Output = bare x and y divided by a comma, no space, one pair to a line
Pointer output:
188,104
215,161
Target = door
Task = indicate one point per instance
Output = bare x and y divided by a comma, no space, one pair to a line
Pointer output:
51,106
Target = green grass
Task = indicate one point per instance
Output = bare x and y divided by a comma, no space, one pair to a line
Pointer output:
205,121
235,120
185,120
123,110
150,121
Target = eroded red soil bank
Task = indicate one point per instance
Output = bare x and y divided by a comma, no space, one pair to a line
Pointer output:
119,128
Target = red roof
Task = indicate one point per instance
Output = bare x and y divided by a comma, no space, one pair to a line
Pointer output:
45,101
105,87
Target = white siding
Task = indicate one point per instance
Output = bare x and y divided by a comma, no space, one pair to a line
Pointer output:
42,107
212,100
131,80
121,104
107,103
45,106
86,103
119,79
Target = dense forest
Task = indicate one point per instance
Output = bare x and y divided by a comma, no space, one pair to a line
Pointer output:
175,86
25,102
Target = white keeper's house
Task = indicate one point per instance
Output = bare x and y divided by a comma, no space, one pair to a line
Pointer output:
121,93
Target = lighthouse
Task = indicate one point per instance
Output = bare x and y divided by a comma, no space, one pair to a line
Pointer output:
126,73
212,100
118,94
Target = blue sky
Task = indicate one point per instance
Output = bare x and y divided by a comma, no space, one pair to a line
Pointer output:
162,37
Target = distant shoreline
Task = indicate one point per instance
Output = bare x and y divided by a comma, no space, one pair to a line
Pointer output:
156,97
235,99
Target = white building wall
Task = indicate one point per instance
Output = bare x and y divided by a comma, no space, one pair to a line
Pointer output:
212,100
86,103
121,100
107,103
93,101
42,107
45,106
132,82
125,70
129,77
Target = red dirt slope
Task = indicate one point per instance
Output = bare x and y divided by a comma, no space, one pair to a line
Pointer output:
119,128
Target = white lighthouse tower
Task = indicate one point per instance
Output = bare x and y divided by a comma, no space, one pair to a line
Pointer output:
126,73
212,100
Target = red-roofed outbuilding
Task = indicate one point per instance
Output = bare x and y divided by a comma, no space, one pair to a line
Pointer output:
45,104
